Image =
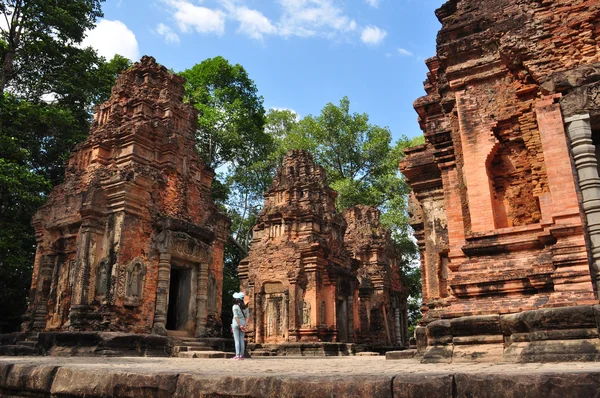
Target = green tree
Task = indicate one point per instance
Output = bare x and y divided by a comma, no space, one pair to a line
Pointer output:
48,87
231,114
361,163
231,139
39,38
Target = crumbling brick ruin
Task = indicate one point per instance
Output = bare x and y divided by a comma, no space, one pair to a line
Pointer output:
133,227
382,307
299,278
506,193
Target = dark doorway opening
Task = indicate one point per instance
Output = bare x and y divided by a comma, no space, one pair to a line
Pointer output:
179,298
596,142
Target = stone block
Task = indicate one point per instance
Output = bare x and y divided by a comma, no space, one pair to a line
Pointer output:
518,385
102,383
438,354
405,354
407,385
477,353
30,378
553,351
284,387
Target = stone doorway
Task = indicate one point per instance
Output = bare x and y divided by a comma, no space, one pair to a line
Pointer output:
180,313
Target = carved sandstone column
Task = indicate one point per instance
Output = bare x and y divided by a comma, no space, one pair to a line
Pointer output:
397,326
43,288
162,294
584,154
202,298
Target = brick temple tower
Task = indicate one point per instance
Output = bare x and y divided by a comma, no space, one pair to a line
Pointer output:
299,278
133,226
382,306
506,197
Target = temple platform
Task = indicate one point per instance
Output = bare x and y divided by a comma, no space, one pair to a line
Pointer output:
369,376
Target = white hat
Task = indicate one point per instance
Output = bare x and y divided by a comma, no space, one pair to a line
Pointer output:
238,295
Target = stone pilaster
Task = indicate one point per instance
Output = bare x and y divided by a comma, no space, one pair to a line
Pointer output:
584,155
162,295
201,300
43,288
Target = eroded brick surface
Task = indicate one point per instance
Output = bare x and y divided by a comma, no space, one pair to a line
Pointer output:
299,277
382,297
134,213
495,201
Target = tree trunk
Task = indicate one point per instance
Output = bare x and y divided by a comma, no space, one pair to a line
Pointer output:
7,67
237,244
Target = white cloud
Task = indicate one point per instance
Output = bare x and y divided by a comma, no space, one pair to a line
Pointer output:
373,3
252,22
306,18
112,37
405,52
301,18
373,35
167,33
201,19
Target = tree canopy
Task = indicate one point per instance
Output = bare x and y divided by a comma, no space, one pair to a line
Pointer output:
38,41
360,159
48,87
231,113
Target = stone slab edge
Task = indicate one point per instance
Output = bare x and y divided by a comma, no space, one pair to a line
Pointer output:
21,380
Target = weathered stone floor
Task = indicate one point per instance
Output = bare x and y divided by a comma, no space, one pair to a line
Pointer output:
289,377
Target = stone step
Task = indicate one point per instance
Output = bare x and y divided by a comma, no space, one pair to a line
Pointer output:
367,354
190,344
17,350
404,354
261,353
27,343
186,348
205,354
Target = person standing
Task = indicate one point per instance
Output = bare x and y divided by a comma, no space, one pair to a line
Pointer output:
238,324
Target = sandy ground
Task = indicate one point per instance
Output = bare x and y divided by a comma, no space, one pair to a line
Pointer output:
293,366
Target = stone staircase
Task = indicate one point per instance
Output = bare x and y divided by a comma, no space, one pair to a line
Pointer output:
190,347
18,344
263,350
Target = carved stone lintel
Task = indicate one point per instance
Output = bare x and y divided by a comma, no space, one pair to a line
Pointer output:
183,245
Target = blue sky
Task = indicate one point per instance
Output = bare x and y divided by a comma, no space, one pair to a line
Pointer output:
301,54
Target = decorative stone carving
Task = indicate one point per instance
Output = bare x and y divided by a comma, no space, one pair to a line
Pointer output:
212,293
379,275
593,95
184,246
305,314
102,279
134,286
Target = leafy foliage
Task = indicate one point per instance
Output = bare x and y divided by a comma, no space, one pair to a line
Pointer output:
39,39
48,87
231,114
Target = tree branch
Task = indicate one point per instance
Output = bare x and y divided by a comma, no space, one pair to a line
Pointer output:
238,245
